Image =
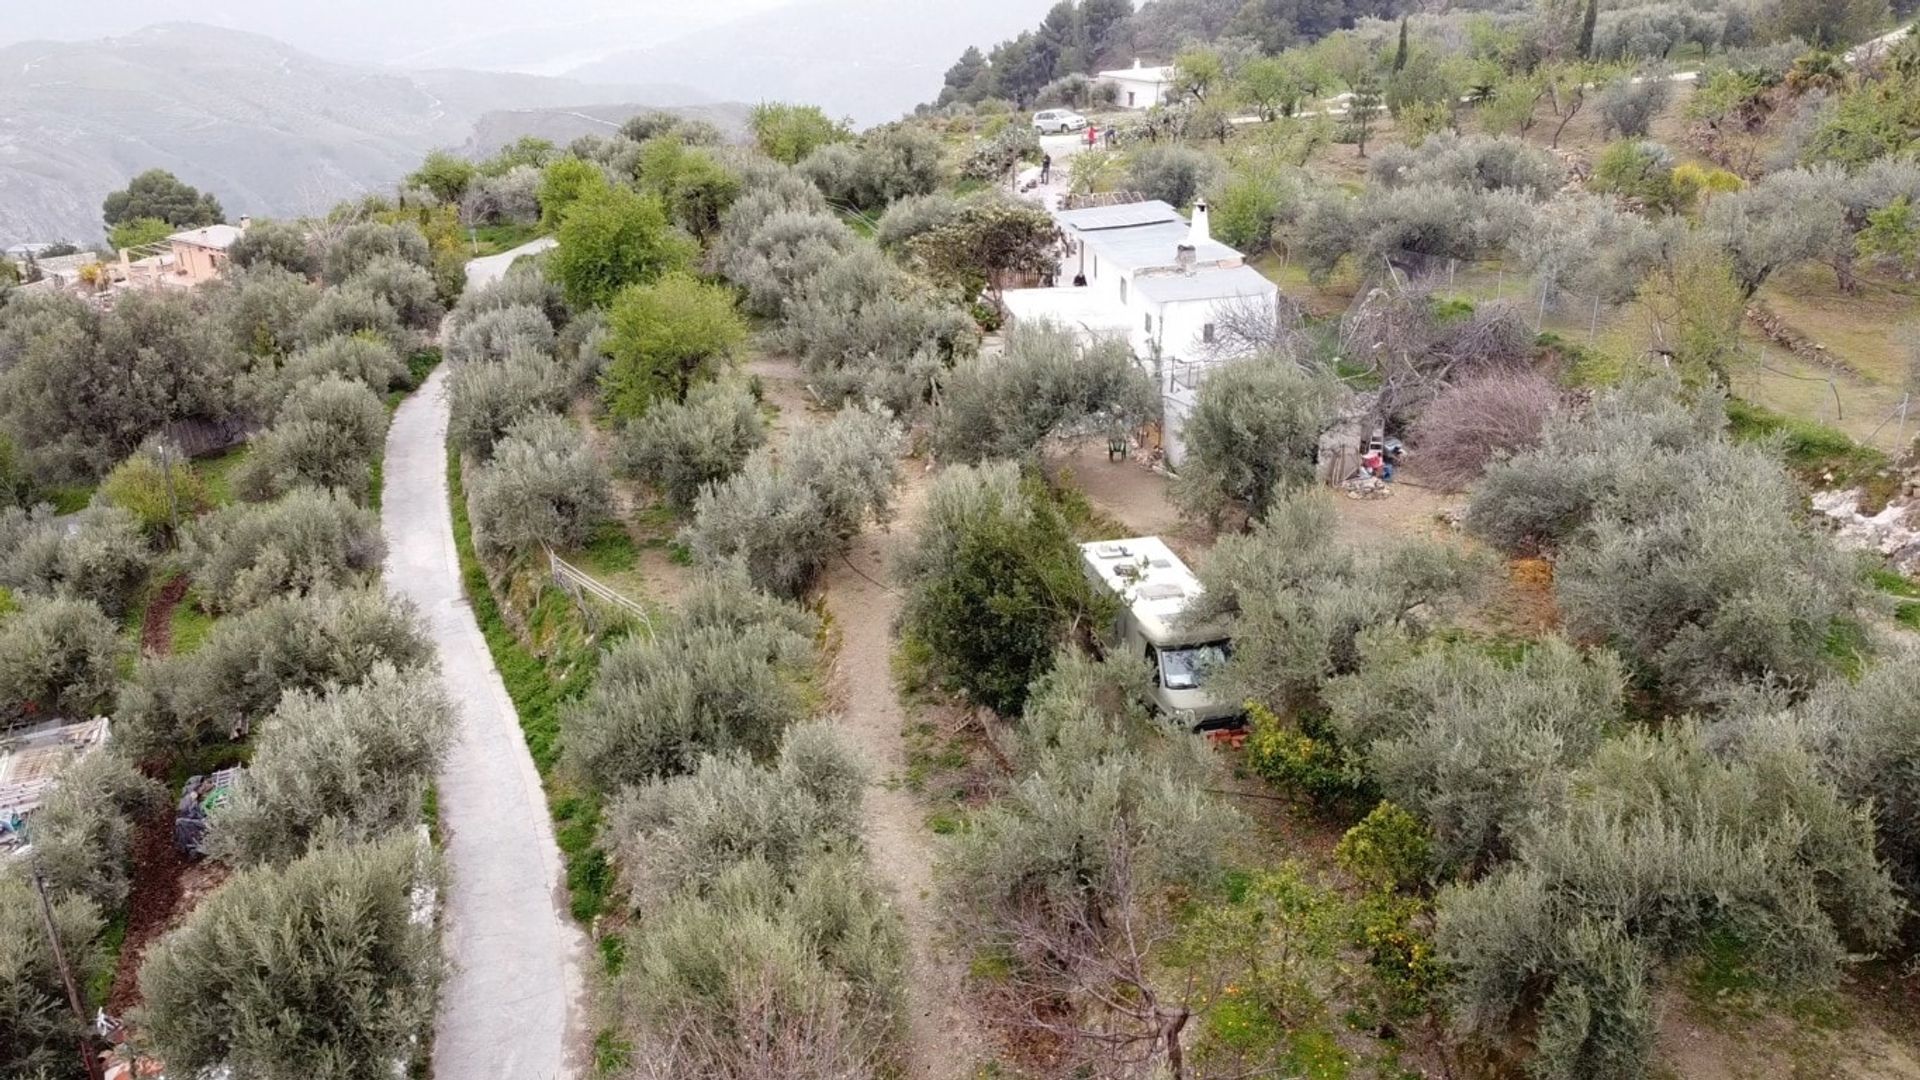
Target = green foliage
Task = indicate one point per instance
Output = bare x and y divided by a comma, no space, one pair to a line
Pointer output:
328,433
994,585
83,833
155,494
344,767
1253,435
788,133
318,969
890,164
786,518
138,233
1278,927
726,676
1473,746
1245,207
360,244
682,834
1045,385
665,338
613,238
487,399
987,240
1298,755
565,182
1637,169
1296,600
680,448
866,330
407,287
443,175
39,1034
281,244
1390,850
309,540
1171,173
57,659
249,660
364,359
349,311
158,194
1892,236
543,488
1662,847
98,553
80,389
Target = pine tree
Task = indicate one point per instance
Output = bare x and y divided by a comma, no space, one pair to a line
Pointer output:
1587,22
1400,54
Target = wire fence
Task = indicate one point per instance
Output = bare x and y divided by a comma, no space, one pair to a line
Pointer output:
581,585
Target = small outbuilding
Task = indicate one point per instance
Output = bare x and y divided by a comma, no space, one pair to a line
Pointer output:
1140,87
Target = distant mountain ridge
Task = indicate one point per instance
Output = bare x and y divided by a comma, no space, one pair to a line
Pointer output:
269,129
872,60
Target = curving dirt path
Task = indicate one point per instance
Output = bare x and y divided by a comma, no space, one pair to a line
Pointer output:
944,1041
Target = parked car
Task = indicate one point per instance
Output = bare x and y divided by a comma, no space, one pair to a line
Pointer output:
1058,121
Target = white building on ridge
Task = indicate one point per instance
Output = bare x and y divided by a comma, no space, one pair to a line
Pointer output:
1141,271
1140,87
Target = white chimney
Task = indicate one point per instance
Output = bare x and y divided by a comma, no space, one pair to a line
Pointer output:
1137,65
1202,231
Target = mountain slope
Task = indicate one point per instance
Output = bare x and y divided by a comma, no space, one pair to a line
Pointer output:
267,128
869,59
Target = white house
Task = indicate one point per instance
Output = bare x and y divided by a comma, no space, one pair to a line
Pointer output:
1140,87
1142,271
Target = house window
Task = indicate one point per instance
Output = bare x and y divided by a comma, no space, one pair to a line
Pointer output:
1149,323
1206,333
1130,99
1123,290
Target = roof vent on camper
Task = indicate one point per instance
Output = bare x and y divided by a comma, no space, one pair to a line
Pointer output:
1162,590
1111,551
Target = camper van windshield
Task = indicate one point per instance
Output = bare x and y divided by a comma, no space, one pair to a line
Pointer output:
1187,667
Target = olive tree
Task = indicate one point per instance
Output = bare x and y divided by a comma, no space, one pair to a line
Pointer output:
352,309
83,832
262,308
406,286
99,554
543,487
1471,746
57,658
664,337
249,660
785,518
865,330
38,1031
321,968
1253,434
244,555
1045,385
364,359
680,448
769,259
284,244
726,676
326,436
487,399
348,765
357,246
490,332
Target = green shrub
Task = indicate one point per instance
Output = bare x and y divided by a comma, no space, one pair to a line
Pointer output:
678,449
57,659
346,766
83,833
1253,434
726,676
663,338
244,555
316,969
494,333
140,485
362,358
543,488
1045,385
487,399
38,1031
994,585
96,554
1389,850
326,436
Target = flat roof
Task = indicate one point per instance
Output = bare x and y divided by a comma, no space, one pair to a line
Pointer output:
1143,74
217,237
1210,283
1135,235
1153,582
1118,215
1075,307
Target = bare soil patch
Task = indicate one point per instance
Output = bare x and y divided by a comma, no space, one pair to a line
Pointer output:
156,629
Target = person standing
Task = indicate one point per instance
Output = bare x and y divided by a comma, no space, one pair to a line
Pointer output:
1046,168
1093,136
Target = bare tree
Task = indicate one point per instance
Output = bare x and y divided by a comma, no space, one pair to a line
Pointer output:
1246,325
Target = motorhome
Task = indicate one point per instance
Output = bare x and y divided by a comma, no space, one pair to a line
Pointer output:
1154,589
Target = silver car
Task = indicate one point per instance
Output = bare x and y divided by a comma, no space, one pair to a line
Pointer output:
1058,121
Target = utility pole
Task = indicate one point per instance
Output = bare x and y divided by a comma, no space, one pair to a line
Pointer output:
173,502
87,1060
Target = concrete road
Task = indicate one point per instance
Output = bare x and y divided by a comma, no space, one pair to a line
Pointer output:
514,1005
494,267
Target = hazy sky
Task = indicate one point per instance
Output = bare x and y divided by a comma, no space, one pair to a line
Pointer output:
544,36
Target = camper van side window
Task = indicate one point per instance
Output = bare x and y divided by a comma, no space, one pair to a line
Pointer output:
1123,290
1153,661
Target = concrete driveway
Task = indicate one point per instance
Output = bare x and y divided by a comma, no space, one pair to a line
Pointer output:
494,267
513,1006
